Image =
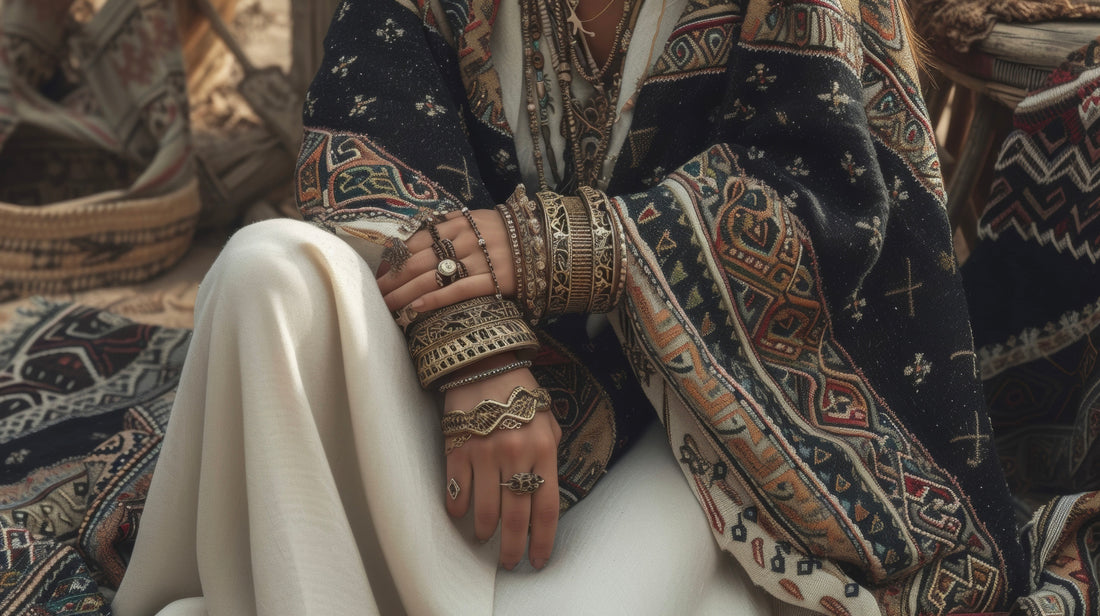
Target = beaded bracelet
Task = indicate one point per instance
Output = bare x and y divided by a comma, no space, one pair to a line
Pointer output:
484,249
518,269
487,374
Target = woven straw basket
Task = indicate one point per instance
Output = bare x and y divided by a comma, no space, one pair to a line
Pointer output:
97,182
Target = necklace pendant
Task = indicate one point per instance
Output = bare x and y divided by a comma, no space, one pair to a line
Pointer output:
576,26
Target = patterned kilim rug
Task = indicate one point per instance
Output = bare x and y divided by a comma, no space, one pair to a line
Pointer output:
1034,287
84,400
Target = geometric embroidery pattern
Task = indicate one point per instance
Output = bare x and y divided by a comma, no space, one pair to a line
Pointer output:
84,399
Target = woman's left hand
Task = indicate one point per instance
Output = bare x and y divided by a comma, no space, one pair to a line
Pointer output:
482,465
415,281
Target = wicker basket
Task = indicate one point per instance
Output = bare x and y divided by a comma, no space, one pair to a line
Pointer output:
97,182
83,244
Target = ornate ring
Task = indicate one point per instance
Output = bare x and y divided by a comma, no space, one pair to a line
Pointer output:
444,249
453,489
524,483
448,271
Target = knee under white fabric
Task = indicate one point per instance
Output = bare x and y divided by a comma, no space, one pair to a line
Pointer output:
302,473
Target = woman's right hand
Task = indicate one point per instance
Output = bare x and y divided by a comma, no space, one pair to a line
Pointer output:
414,283
481,464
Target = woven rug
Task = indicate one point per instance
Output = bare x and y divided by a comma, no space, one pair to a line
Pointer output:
84,400
960,23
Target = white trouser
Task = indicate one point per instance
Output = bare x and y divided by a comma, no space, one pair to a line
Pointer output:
303,472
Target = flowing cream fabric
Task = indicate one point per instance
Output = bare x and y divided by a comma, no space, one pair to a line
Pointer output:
302,473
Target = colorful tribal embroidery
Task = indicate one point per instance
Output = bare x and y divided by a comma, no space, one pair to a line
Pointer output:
851,484
346,175
700,43
473,23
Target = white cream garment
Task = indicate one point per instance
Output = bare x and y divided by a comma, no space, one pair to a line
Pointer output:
301,472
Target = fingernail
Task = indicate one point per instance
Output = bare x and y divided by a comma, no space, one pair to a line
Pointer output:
538,563
508,567
417,304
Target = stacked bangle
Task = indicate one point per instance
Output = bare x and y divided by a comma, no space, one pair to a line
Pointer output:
586,252
569,252
559,253
608,252
448,339
529,252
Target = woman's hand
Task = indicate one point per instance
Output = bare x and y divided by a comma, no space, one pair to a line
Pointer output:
415,282
481,464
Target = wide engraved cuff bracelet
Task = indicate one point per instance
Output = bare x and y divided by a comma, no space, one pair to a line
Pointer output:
581,257
450,338
559,246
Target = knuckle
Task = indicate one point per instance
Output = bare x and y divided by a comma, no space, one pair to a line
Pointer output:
546,445
510,446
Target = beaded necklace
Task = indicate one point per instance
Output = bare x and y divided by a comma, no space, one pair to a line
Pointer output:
586,125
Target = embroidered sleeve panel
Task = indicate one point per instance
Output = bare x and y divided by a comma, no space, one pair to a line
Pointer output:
744,335
764,287
384,121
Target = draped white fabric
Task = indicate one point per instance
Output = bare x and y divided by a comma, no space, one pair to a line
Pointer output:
303,472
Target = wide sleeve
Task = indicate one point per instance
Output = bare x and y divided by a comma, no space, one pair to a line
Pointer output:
385,128
794,312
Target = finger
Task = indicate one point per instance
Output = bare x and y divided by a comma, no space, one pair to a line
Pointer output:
459,483
454,228
417,263
515,520
486,497
544,508
426,283
474,285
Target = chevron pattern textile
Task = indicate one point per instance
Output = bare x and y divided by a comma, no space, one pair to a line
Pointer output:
1034,290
